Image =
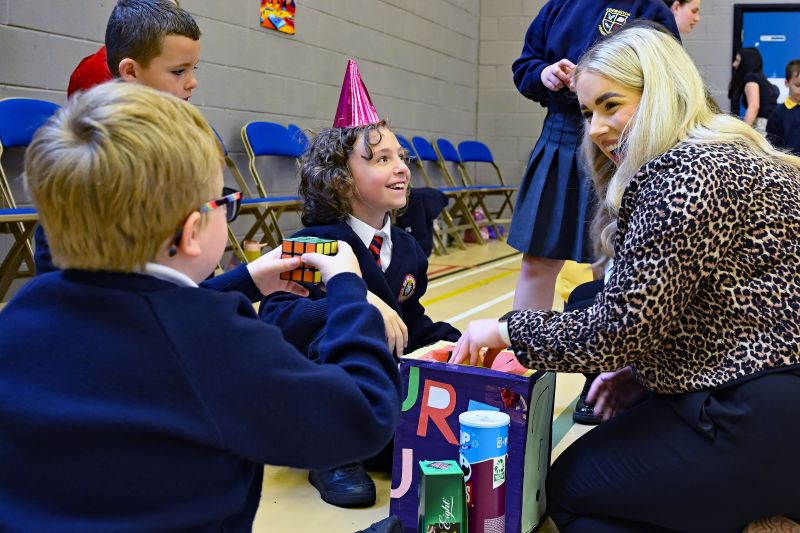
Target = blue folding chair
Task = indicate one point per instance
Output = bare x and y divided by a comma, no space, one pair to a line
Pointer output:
19,120
477,152
248,207
270,139
299,136
475,195
460,211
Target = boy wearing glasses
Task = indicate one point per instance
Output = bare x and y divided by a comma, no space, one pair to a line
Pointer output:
123,405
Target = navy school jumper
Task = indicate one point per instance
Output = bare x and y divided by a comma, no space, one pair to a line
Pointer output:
783,128
237,279
129,403
566,29
401,287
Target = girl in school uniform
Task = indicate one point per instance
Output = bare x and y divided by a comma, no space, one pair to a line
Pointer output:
553,211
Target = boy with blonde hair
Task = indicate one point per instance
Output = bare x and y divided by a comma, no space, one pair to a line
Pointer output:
131,399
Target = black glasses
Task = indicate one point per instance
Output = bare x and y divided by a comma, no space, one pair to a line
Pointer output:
231,199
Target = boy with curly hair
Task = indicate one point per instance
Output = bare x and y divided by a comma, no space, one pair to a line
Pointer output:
351,177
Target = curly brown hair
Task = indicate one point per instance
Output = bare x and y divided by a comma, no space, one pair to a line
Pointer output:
326,185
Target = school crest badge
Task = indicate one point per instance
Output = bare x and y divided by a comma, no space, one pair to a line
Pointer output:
613,20
407,289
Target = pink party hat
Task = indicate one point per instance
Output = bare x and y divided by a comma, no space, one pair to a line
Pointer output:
355,106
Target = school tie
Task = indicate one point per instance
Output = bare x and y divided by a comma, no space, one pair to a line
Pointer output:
375,248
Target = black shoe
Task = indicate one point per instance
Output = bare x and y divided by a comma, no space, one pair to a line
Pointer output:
387,525
584,413
345,486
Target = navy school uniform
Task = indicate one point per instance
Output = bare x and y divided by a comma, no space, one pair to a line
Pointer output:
783,127
554,206
131,403
401,287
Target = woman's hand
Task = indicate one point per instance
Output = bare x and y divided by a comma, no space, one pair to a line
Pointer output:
396,330
613,392
479,334
266,271
559,75
330,265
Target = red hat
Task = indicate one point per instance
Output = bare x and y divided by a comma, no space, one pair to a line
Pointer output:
355,106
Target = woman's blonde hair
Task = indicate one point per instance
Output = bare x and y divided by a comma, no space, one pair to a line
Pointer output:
675,107
115,173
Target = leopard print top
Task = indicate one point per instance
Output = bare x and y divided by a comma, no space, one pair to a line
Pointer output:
706,281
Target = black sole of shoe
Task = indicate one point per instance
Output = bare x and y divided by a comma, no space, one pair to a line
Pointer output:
586,420
346,500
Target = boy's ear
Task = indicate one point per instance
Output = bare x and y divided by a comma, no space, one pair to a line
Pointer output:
189,244
128,69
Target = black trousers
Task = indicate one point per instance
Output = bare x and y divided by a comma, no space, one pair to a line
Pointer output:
704,461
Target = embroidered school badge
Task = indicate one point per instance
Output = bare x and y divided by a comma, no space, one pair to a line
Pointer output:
409,285
613,20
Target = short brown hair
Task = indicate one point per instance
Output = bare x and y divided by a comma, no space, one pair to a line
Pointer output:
115,173
326,185
137,28
792,69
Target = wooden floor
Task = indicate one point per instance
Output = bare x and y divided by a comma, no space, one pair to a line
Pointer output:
464,285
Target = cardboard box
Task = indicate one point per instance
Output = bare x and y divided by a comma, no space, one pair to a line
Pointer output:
435,394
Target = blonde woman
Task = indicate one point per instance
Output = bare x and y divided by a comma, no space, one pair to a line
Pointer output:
697,329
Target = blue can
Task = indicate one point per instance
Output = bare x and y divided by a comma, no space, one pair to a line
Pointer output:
482,454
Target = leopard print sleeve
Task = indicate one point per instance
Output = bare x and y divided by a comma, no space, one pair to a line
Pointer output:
679,217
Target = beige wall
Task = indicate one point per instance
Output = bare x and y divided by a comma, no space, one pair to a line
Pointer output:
437,68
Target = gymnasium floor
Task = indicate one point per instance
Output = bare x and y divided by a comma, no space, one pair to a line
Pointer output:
464,285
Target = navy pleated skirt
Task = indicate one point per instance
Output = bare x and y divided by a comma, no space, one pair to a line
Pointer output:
556,197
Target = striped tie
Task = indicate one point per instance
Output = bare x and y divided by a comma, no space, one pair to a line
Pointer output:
375,248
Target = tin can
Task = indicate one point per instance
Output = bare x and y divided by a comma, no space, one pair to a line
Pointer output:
482,454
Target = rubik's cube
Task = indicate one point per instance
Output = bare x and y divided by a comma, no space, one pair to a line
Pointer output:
297,246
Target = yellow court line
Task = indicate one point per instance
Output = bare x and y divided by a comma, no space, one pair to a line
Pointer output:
444,280
466,288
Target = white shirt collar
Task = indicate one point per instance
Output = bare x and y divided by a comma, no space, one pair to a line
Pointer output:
166,273
365,232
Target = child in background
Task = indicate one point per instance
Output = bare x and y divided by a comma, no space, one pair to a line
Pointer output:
152,42
750,89
351,177
131,399
92,70
783,126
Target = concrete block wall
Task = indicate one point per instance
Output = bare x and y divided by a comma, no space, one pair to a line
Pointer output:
418,59
437,68
507,121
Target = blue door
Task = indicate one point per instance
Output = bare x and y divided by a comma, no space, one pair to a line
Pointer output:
776,34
